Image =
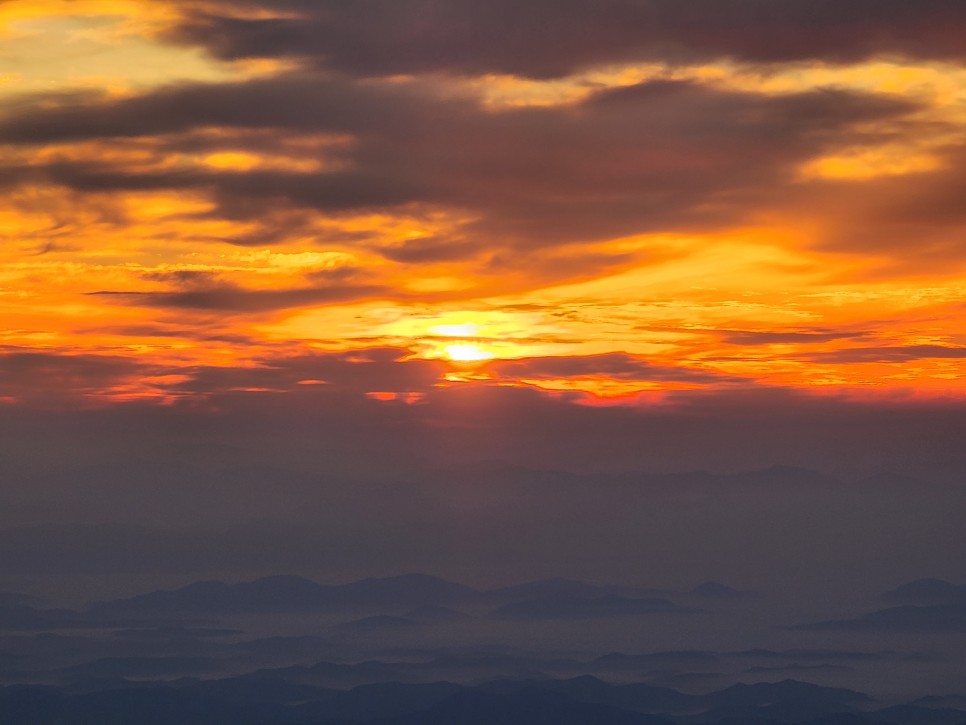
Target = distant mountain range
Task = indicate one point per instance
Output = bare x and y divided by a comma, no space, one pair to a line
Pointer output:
908,618
261,700
545,599
926,591
292,594
928,605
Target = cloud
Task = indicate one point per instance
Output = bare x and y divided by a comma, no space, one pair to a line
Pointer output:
206,290
429,249
554,38
226,297
896,354
614,366
62,379
310,412
786,337
660,156
47,379
337,373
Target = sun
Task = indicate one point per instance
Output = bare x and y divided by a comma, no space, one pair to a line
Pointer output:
467,352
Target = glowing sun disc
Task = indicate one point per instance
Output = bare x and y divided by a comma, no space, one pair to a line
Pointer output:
466,352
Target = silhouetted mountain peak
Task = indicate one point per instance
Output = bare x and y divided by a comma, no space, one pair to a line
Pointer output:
764,693
926,591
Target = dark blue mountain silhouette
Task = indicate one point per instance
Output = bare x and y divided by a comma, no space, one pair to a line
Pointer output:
786,701
926,592
382,700
529,707
639,698
917,715
578,701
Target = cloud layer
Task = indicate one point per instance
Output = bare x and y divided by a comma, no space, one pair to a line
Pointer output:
550,39
608,198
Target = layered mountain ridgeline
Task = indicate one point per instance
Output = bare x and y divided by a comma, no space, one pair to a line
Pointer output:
100,660
290,594
923,606
262,700
299,648
418,596
926,591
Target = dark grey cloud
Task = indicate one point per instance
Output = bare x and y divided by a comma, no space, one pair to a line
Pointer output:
917,218
430,249
618,366
204,294
339,373
324,394
551,38
786,337
886,354
149,330
62,379
55,379
662,155
313,103
186,278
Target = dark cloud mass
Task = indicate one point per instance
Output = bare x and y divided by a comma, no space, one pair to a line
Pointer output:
386,37
890,354
658,156
232,298
55,379
617,366
322,397
785,337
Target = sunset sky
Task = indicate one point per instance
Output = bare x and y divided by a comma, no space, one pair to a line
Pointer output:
360,287
616,202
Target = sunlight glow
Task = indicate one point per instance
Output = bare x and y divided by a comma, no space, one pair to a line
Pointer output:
466,329
467,352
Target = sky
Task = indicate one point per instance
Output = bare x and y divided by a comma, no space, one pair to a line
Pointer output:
621,200
381,236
